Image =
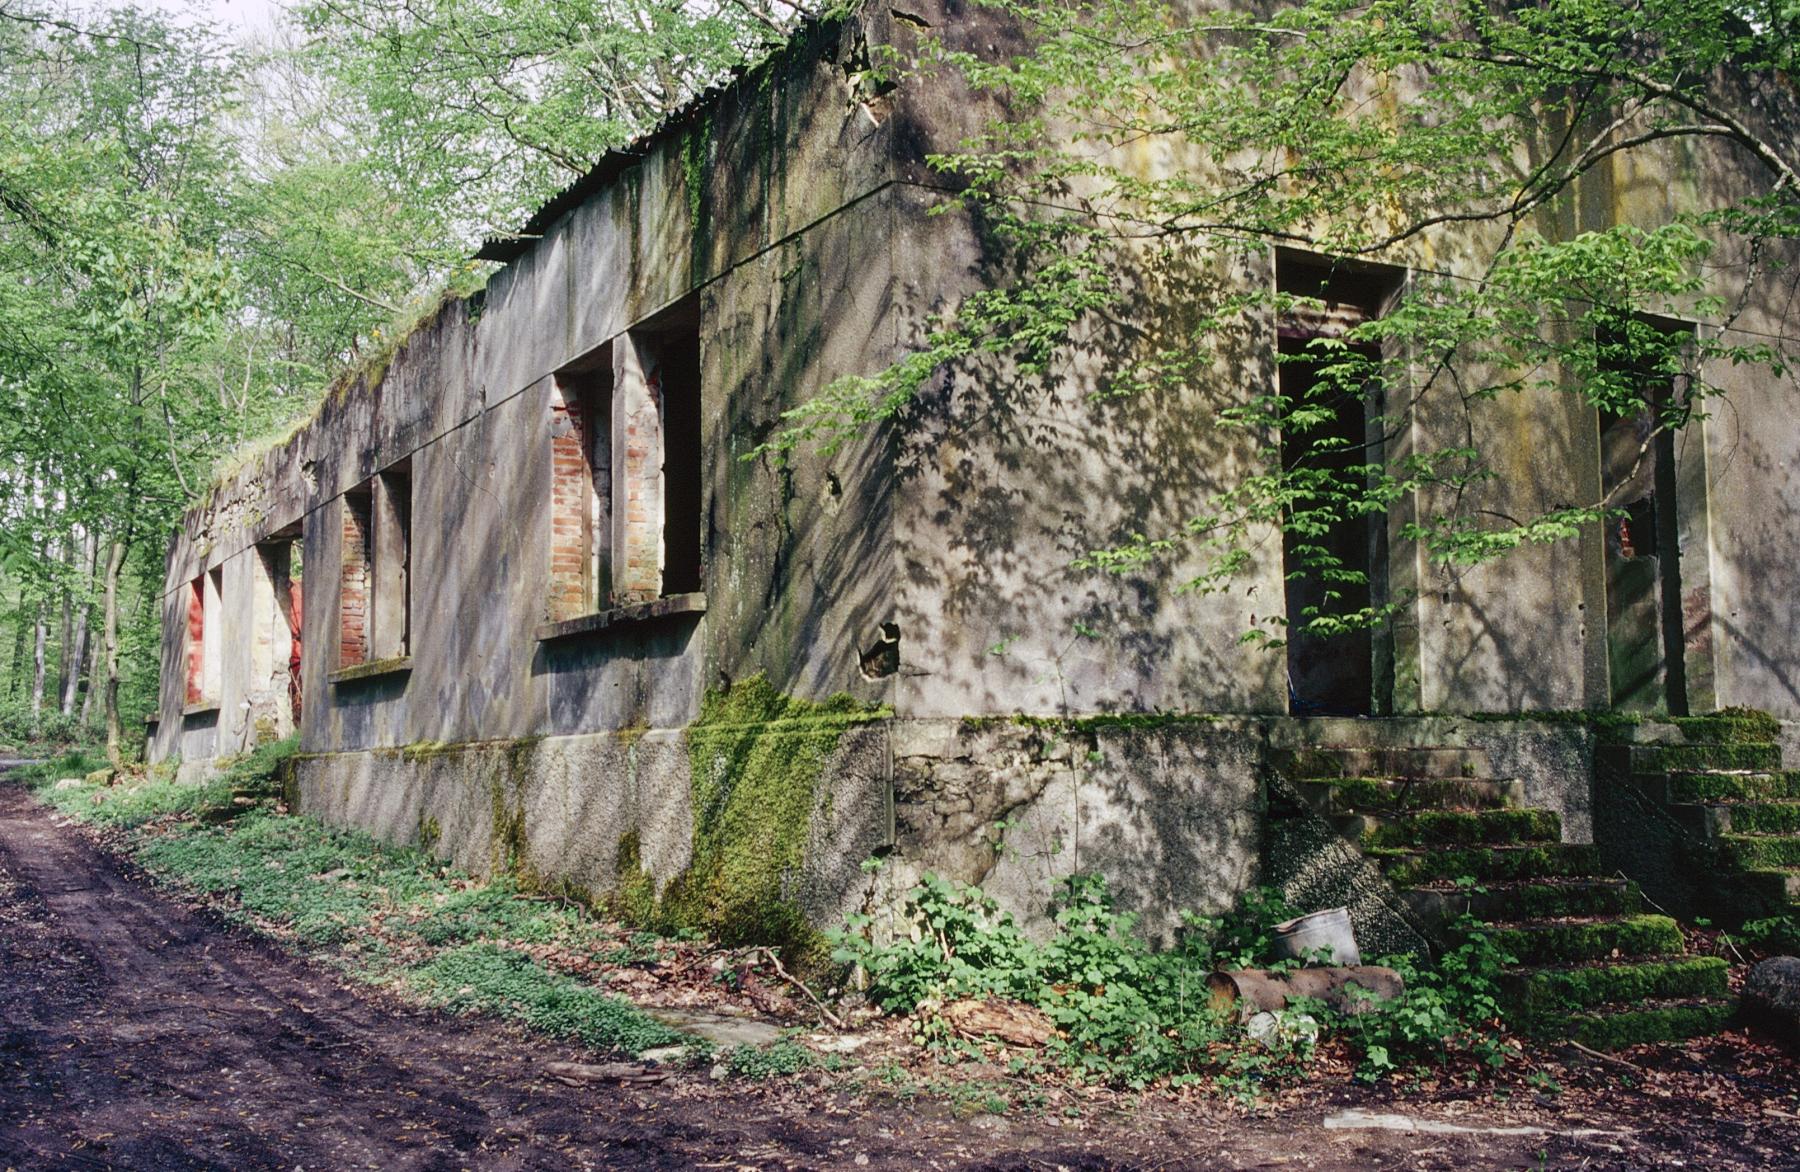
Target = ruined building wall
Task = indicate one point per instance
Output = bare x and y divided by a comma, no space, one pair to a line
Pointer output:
648,723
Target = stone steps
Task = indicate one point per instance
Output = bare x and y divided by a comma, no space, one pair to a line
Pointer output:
1526,899
1588,962
1548,991
1412,868
1429,828
1344,795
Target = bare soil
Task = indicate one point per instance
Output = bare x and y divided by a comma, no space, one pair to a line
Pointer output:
140,1033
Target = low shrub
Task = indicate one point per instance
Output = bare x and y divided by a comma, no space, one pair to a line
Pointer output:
1130,1015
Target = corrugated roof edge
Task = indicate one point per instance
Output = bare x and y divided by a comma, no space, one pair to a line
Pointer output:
508,248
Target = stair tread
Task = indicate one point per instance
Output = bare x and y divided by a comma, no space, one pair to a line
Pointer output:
1547,922
1667,959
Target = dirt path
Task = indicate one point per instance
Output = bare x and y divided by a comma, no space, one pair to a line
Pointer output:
137,1034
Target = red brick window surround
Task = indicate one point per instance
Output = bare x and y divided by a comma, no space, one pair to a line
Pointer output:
353,590
375,590
205,645
196,641
626,489
581,486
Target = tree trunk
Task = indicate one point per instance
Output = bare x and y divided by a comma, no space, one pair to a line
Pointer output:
65,665
93,675
37,663
79,639
115,561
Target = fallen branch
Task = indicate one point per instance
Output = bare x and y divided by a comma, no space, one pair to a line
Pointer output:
791,979
1591,1053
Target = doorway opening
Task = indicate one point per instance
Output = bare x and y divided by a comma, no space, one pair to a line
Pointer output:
1645,625
1334,558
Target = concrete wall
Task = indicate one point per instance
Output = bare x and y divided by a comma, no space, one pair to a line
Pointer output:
927,566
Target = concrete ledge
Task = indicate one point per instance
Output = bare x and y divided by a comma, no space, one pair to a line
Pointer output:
202,708
622,616
373,668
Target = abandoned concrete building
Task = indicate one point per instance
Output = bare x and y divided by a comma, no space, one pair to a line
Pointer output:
555,622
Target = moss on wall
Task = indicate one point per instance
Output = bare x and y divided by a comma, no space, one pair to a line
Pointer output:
758,761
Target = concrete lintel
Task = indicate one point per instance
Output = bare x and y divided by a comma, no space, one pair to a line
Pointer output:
393,665
637,612
200,708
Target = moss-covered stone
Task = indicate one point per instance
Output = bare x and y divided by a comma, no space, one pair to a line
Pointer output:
1632,1027
1574,897
1545,993
758,761
1730,726
1462,828
1411,868
1346,795
1765,818
1568,943
1754,851
1754,756
1729,787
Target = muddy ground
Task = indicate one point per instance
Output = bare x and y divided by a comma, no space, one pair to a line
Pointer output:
138,1033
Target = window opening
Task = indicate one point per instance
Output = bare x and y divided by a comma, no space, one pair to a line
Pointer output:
581,486
353,590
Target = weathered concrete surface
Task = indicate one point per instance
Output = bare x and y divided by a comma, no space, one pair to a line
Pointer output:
927,564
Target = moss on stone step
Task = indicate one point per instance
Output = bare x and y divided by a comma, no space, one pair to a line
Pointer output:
1760,851
1497,863
1569,943
1765,818
1651,1023
1731,726
1530,901
1726,787
1547,992
1462,828
1754,756
1365,795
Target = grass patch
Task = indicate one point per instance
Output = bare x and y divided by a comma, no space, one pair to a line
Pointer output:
384,914
488,978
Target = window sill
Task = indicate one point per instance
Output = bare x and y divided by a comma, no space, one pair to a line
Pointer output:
373,669
200,708
623,616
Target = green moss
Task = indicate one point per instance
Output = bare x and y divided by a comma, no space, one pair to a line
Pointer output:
1750,851
1366,795
1766,818
1113,721
1753,756
1530,901
1557,943
1410,868
430,833
1461,828
1539,995
1613,1031
757,759
1730,726
1725,787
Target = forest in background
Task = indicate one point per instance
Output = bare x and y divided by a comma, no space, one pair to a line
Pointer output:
198,234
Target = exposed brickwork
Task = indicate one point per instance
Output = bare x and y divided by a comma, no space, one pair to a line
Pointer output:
196,641
353,593
572,535
639,561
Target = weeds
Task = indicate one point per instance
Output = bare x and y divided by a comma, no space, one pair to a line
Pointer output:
1130,1016
382,913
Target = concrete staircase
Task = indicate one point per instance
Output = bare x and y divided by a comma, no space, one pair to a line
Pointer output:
1591,963
1737,854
